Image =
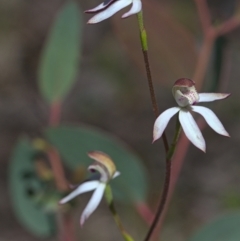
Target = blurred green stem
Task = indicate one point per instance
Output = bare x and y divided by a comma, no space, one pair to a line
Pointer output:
144,44
166,182
109,198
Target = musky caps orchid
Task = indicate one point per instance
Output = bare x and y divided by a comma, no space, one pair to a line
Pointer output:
186,97
109,7
105,166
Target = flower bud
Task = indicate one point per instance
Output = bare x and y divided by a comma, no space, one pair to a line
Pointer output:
184,92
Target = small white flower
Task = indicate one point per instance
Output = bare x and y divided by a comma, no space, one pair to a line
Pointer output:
109,7
186,96
105,166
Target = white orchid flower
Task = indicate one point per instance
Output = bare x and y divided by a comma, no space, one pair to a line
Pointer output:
109,7
186,97
105,166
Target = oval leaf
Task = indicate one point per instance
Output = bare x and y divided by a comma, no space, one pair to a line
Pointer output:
225,228
21,179
73,144
59,63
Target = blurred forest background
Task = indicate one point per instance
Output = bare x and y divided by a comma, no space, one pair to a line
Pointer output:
110,93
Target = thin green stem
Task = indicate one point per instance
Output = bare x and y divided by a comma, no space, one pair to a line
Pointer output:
144,44
166,181
109,198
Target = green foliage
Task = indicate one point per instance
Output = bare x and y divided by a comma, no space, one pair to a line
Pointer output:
73,144
231,199
59,63
225,228
23,186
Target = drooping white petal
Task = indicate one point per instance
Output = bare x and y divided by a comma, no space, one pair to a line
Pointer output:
211,119
136,8
208,97
84,187
100,7
111,10
191,129
162,121
93,203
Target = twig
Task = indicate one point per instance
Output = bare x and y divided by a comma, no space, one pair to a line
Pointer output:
204,15
228,26
57,169
55,113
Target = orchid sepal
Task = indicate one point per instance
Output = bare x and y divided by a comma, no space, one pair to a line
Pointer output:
108,8
209,97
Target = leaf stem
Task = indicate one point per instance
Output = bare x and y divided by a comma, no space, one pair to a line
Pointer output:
166,181
57,168
55,113
109,198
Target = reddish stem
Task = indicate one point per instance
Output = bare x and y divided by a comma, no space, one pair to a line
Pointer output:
57,169
152,231
66,227
153,96
228,26
66,230
204,15
145,212
55,113
204,57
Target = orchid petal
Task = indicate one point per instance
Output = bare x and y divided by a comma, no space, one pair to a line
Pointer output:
211,119
162,121
116,174
111,10
208,97
100,7
136,8
93,203
191,129
84,187
104,175
181,99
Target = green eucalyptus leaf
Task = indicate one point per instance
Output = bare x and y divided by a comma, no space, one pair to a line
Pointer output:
23,185
59,62
225,228
73,144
